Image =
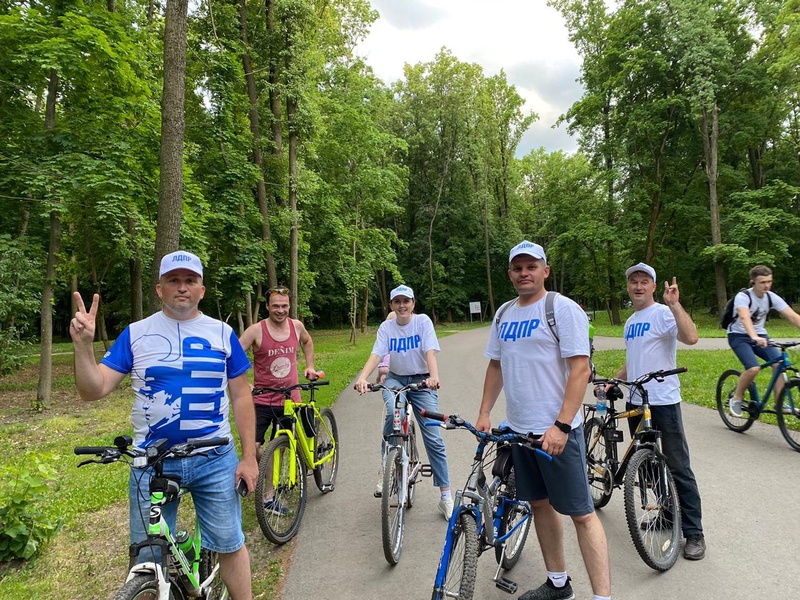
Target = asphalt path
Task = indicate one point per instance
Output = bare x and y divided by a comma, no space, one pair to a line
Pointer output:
748,483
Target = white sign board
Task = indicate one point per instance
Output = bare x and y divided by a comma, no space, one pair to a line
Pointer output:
475,307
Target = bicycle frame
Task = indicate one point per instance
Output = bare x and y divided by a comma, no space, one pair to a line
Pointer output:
643,436
158,534
299,441
784,366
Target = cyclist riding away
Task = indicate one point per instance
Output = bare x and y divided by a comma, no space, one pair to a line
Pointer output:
187,370
411,342
747,335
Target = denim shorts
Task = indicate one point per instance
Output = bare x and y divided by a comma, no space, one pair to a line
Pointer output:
746,350
210,478
563,480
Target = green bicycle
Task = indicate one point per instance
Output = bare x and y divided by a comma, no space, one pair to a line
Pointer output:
281,487
186,569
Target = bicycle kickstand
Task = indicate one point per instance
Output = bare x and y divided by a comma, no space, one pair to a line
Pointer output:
501,582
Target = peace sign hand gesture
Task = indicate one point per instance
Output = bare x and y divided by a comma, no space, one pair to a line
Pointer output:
671,294
81,328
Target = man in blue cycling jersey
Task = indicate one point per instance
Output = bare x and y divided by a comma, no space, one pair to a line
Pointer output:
187,371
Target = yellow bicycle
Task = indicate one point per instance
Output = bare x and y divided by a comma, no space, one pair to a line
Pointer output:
280,495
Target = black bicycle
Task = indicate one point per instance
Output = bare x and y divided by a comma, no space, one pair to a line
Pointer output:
651,500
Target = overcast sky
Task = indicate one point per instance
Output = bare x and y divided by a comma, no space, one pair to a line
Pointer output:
525,38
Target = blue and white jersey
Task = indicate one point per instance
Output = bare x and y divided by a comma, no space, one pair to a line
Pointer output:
406,344
179,374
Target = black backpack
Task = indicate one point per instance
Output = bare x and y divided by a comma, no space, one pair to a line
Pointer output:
729,317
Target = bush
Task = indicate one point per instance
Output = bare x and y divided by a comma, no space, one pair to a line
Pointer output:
24,525
12,351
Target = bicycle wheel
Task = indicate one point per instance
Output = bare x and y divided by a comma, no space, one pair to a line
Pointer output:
327,439
726,386
208,563
600,484
392,510
652,509
279,502
462,564
788,412
141,587
413,461
514,515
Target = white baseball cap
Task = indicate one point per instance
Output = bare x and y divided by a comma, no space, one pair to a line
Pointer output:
528,248
401,290
180,260
643,268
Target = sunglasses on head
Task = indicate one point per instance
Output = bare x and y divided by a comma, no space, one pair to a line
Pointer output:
278,291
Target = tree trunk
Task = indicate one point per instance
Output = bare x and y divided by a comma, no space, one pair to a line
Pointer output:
294,234
487,254
135,269
364,309
44,388
711,157
170,192
258,158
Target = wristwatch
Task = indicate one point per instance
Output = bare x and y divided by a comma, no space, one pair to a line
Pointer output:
563,427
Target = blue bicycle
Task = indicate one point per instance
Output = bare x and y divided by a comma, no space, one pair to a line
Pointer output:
787,403
485,515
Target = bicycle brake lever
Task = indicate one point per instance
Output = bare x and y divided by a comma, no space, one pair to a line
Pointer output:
87,462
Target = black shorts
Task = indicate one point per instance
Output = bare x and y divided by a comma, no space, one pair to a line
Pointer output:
563,480
269,416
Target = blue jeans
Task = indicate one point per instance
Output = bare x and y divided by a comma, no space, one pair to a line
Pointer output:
431,436
669,421
209,477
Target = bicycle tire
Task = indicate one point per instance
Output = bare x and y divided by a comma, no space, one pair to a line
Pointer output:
789,422
513,514
141,587
208,562
601,485
462,566
392,510
325,474
652,509
413,461
280,528
726,385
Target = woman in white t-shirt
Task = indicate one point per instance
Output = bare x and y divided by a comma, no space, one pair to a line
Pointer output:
411,343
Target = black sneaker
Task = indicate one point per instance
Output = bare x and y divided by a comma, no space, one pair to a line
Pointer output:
695,547
548,591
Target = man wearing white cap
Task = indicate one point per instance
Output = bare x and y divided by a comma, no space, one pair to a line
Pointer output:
544,370
651,334
411,342
187,370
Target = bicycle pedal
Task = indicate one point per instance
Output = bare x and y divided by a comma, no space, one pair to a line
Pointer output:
506,585
426,470
328,487
377,494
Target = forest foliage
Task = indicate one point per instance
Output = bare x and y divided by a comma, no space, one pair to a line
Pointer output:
300,165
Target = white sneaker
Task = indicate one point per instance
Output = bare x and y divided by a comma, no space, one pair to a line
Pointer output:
379,487
735,407
446,507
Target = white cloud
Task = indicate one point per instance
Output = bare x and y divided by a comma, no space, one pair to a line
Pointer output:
525,38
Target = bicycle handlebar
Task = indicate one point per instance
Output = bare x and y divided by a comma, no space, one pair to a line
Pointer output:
457,422
413,387
782,345
257,391
154,453
640,381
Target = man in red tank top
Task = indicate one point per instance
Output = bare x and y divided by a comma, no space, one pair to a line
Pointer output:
274,341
